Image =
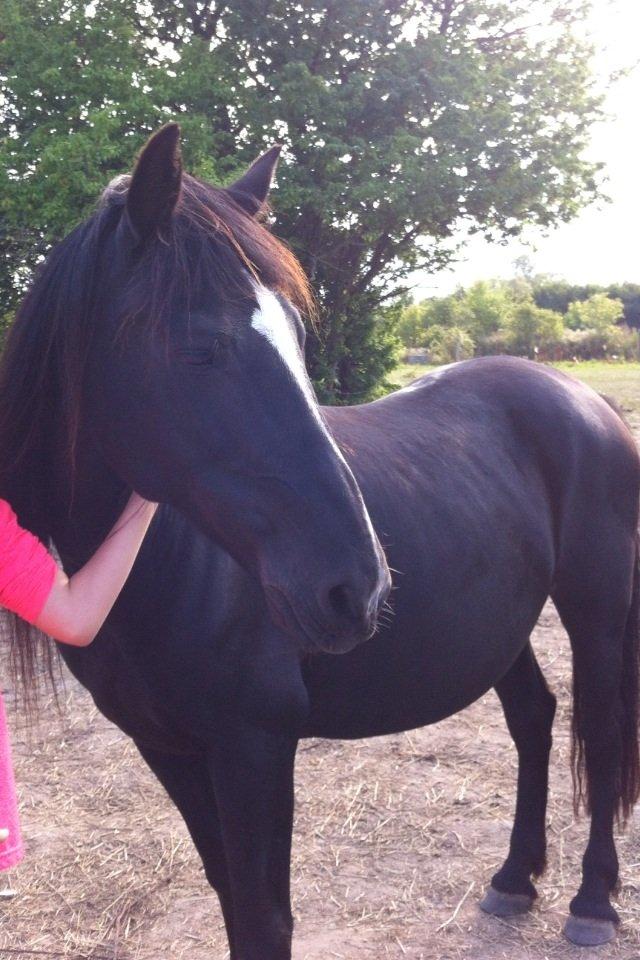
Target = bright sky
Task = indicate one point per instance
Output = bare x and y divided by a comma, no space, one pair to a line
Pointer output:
601,244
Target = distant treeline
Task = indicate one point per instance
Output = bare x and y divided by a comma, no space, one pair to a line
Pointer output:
559,295
533,316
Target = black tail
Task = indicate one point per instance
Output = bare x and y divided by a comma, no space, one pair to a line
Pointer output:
628,785
630,695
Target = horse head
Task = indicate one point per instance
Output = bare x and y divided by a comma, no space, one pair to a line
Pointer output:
196,392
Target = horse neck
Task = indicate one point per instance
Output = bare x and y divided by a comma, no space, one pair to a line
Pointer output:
83,504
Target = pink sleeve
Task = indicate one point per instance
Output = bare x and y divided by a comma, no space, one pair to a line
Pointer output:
27,569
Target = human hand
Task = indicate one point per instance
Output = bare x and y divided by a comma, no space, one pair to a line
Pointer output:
136,502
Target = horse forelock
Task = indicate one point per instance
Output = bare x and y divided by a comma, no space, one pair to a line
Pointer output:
116,189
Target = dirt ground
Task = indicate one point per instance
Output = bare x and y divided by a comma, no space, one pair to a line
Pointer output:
395,840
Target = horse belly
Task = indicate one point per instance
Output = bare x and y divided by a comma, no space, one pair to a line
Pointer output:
465,604
401,682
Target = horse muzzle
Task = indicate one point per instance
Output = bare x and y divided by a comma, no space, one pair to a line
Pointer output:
341,616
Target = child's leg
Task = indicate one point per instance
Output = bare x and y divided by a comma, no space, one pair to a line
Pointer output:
11,849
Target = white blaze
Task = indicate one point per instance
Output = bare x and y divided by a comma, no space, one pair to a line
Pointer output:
271,321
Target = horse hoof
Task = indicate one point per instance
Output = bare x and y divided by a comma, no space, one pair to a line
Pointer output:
500,904
587,932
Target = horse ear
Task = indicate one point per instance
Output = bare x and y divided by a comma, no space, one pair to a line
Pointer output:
155,184
251,190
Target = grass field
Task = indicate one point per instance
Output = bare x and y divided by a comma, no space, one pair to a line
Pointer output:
618,380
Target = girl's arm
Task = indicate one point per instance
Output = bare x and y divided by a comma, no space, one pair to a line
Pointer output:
77,607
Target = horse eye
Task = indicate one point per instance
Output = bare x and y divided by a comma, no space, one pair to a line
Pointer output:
206,356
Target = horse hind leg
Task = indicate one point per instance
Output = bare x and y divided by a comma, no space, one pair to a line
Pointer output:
602,620
529,708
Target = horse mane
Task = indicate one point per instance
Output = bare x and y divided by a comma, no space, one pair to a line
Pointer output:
210,243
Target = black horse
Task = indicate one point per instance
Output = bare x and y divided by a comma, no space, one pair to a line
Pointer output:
160,349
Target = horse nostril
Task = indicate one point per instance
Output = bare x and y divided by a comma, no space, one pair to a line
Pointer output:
341,603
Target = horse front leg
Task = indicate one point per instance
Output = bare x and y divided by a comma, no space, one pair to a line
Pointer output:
252,773
188,782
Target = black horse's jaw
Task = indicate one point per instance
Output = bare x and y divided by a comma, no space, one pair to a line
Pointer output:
311,633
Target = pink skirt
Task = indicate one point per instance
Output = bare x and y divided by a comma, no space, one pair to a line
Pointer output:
11,849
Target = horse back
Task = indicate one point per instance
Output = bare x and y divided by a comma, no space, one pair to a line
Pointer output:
496,417
483,480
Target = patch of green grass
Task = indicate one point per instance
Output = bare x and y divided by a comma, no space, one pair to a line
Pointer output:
621,381
618,380
404,373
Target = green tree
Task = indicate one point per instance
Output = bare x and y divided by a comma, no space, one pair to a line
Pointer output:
411,325
629,294
488,306
449,311
533,329
598,313
553,293
523,267
449,344
72,109
557,294
402,119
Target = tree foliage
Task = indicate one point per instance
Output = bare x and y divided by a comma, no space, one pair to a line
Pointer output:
532,329
505,316
489,307
558,295
449,343
402,120
597,313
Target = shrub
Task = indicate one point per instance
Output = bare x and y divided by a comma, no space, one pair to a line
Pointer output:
599,312
494,344
502,317
449,344
533,331
611,343
411,325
